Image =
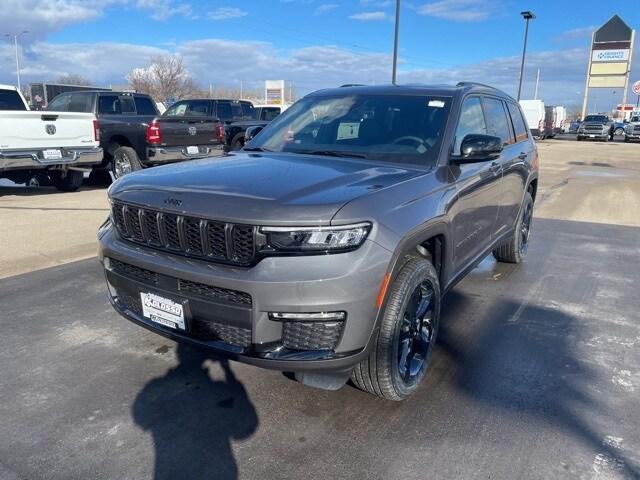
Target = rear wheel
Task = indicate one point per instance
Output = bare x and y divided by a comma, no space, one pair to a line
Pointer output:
238,142
514,250
125,160
404,344
67,181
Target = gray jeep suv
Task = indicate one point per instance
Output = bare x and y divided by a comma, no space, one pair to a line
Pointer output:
324,247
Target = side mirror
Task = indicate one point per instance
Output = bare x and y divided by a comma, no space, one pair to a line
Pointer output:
251,133
479,148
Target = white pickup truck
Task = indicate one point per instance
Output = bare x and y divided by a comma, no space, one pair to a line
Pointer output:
60,145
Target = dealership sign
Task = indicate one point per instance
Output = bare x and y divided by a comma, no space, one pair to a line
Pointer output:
610,59
621,55
636,88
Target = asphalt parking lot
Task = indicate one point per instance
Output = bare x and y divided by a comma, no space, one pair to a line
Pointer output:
536,374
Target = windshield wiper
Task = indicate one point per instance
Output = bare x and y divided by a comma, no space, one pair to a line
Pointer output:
256,149
331,153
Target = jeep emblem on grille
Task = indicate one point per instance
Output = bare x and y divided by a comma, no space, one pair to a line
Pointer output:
172,201
50,129
193,131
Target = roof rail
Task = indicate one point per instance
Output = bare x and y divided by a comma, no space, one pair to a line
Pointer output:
476,84
352,85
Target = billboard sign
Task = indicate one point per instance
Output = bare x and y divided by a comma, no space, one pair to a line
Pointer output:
610,58
274,92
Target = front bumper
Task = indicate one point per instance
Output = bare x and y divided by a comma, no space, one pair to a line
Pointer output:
594,135
177,154
632,136
34,158
345,282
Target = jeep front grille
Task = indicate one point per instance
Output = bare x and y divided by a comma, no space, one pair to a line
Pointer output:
183,235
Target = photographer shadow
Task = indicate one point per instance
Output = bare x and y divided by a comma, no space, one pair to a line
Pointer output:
193,418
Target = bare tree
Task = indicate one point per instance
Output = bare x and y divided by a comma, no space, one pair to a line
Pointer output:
73,79
165,78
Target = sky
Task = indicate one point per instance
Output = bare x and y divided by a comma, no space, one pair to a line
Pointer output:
316,44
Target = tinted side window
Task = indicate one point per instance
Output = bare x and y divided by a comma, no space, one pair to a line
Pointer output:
80,102
269,114
197,108
224,112
145,106
59,104
109,105
236,111
519,124
497,121
10,100
127,105
471,122
248,112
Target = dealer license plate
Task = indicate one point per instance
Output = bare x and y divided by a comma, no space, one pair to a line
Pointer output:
52,154
592,136
163,311
193,150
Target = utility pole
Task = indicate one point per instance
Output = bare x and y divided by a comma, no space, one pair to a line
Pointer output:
15,43
395,44
535,92
241,85
527,15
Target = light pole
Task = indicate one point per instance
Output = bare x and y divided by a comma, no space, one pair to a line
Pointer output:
527,15
15,42
395,44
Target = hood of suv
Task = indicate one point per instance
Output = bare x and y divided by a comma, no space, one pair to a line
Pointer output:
259,189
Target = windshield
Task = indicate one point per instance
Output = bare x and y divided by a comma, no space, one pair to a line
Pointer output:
635,119
388,128
596,118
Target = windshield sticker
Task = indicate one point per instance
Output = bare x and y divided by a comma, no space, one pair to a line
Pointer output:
436,104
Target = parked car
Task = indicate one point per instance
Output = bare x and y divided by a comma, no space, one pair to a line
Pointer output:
324,247
618,128
534,113
134,136
58,146
632,129
597,127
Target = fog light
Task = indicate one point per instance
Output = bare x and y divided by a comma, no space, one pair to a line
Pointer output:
307,317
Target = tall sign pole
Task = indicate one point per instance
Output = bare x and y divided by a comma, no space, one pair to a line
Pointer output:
586,85
626,83
527,16
395,44
610,56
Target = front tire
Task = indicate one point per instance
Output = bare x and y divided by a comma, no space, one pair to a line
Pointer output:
68,181
404,344
125,160
515,249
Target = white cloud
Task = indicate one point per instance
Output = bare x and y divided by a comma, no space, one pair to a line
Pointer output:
368,16
576,34
310,68
164,9
458,10
226,13
325,7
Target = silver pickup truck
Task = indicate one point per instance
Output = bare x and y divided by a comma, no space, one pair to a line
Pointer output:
59,145
632,129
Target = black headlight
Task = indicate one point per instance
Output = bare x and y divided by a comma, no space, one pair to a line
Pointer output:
316,239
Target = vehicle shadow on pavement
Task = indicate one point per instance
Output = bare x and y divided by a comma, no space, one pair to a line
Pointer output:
193,419
522,360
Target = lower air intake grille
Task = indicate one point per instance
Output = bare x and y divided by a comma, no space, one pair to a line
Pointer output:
214,293
311,335
208,331
133,271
